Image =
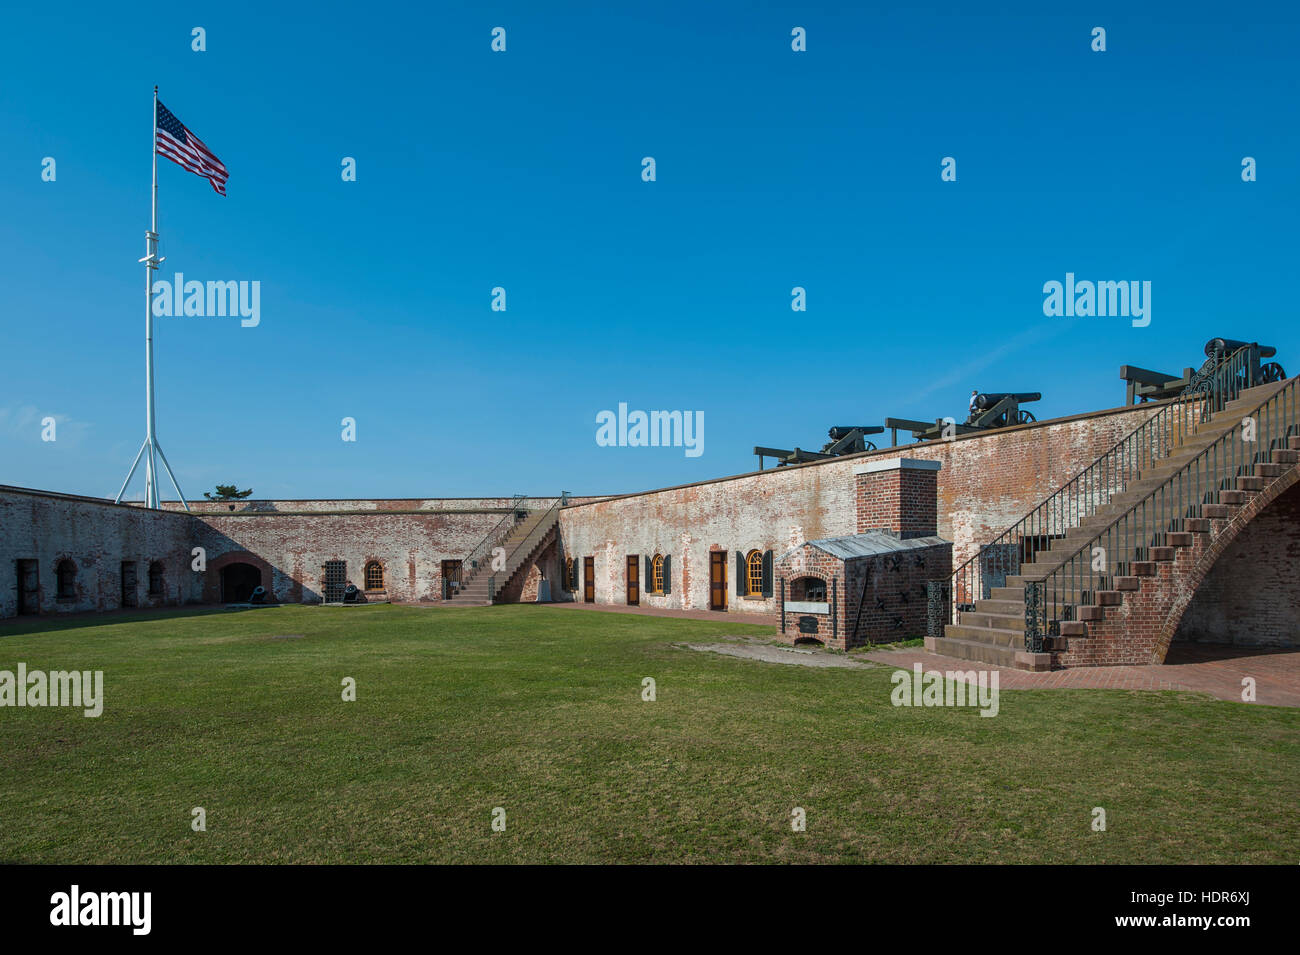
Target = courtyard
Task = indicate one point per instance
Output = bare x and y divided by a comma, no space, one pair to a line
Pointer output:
539,719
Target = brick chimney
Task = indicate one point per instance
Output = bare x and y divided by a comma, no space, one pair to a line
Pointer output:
899,495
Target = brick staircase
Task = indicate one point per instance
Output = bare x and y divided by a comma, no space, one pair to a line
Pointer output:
1197,475
521,544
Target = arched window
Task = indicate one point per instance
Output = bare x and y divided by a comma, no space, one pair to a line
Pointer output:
66,573
156,579
754,573
374,575
657,576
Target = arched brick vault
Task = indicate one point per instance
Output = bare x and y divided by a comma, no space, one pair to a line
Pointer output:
1198,572
212,579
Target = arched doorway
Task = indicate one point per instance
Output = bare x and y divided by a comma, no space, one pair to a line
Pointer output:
238,581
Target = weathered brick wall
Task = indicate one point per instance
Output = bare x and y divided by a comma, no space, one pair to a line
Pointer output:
97,536
1251,596
986,483
409,545
288,542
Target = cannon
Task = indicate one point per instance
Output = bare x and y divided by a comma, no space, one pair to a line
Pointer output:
994,409
844,439
1143,384
1002,409
258,596
351,595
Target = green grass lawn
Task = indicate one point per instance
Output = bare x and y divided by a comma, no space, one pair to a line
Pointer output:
539,711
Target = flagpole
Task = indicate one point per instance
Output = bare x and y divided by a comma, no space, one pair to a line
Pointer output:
151,450
151,263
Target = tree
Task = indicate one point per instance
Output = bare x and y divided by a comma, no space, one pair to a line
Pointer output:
227,492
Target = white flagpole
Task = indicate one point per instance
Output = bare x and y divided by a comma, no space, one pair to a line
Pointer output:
151,449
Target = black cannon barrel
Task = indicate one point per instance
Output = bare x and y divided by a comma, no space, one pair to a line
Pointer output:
1224,346
983,402
840,430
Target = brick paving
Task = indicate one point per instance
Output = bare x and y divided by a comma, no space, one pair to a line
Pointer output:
1216,670
720,616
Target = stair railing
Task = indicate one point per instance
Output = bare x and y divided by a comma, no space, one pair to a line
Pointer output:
1218,381
1134,534
526,545
470,562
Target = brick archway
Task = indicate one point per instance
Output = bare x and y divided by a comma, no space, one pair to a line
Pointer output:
1207,559
212,579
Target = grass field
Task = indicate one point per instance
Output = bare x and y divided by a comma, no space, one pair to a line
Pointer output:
539,711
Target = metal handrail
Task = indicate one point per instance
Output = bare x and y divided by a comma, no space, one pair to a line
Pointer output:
1162,511
1094,486
493,537
531,539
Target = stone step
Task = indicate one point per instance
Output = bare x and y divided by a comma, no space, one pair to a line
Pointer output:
989,635
988,653
996,621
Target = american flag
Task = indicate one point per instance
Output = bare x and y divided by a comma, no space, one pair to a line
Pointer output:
185,149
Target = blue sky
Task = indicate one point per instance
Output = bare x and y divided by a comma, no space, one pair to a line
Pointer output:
522,170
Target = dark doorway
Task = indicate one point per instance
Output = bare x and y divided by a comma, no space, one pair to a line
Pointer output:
238,581
29,590
589,580
718,580
128,584
633,580
450,578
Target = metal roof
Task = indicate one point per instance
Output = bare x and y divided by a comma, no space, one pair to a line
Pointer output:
872,543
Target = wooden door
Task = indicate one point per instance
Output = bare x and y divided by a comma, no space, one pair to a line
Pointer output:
718,580
450,578
633,580
589,580
29,591
128,583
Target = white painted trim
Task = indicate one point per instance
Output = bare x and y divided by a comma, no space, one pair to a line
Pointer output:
806,606
897,464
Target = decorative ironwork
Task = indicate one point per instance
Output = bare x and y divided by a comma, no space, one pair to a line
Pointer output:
1034,616
936,607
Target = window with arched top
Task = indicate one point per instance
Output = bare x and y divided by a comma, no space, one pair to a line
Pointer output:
65,573
754,573
657,573
374,575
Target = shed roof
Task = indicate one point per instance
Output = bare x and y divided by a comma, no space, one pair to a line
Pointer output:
872,543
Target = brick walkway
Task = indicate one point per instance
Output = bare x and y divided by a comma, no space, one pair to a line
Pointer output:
1215,670
721,616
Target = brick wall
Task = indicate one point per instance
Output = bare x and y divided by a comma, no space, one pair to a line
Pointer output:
1251,596
409,546
97,537
986,483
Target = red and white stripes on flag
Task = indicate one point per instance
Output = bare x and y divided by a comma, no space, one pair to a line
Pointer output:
182,147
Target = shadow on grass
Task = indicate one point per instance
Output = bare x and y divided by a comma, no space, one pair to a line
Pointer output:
51,623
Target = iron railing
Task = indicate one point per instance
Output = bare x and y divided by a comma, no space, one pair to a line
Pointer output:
526,545
1136,534
469,564
1218,381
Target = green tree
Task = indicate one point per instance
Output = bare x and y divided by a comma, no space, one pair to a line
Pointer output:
227,492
